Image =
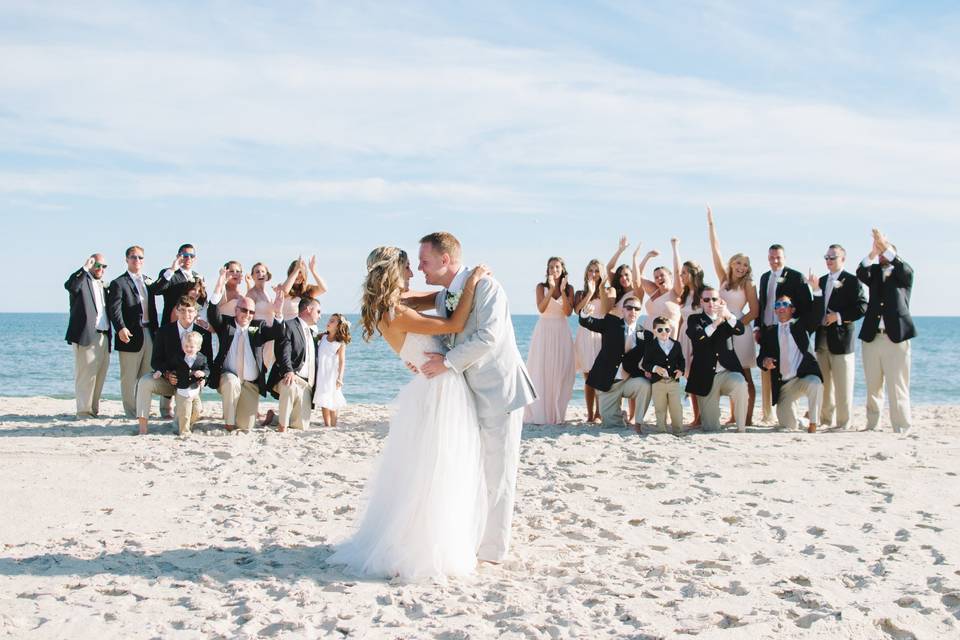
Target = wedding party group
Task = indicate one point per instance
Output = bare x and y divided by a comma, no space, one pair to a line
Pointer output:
267,344
799,330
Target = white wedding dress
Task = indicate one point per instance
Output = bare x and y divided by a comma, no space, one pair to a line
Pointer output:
426,502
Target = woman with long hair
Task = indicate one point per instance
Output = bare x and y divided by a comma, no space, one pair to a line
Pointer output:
740,294
691,277
550,360
296,286
426,503
620,279
587,343
663,292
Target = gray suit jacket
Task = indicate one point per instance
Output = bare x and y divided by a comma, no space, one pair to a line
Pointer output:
487,355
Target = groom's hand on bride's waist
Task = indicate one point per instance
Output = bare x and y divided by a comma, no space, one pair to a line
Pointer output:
434,365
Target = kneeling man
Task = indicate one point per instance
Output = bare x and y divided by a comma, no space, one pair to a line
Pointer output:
794,372
616,372
715,369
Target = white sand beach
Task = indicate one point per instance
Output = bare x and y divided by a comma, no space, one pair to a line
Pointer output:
758,535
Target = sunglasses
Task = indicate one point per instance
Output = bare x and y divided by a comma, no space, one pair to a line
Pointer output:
244,310
99,265
134,257
710,299
663,329
829,257
631,307
782,305
188,255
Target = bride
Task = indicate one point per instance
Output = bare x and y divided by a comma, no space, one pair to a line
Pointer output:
426,501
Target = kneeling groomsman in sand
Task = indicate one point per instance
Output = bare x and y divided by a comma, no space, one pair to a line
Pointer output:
88,332
794,372
169,348
133,314
616,372
886,332
293,375
715,369
838,302
663,358
238,372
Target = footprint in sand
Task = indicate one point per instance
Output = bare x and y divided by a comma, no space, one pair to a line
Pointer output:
816,532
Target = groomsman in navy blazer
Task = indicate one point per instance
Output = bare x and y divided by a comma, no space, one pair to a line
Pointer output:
174,282
88,332
838,302
779,280
886,332
133,314
794,372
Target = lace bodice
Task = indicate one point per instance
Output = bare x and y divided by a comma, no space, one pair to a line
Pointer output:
415,345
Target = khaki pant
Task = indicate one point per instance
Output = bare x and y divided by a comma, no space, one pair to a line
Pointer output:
132,367
725,383
240,401
90,371
887,364
147,387
666,396
295,403
610,401
791,391
837,373
188,412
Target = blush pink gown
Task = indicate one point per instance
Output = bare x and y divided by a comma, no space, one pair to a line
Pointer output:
551,365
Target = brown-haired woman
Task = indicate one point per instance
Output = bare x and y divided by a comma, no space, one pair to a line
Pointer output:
296,287
550,360
586,344
691,277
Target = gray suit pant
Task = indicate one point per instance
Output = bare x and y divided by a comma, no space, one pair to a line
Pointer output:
500,442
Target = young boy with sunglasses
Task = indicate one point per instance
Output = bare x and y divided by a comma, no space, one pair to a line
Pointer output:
663,359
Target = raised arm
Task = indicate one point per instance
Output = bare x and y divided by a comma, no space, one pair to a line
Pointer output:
420,300
288,283
544,293
642,285
612,264
316,277
566,297
715,249
677,265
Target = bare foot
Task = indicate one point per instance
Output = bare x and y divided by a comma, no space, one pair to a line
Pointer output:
281,429
268,418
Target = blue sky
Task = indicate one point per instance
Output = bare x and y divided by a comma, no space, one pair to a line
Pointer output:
259,131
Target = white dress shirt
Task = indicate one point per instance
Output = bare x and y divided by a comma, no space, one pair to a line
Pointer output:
790,356
769,317
889,254
665,345
826,292
142,294
241,349
306,370
187,273
709,331
191,391
100,303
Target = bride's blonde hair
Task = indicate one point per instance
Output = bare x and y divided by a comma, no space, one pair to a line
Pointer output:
382,287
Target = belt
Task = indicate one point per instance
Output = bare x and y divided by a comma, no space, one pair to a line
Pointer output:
103,331
145,324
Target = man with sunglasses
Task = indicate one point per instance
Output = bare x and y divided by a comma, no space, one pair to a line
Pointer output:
88,332
616,373
838,302
133,314
238,372
715,369
794,372
886,332
175,281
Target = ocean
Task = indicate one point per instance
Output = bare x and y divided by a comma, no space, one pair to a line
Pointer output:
36,361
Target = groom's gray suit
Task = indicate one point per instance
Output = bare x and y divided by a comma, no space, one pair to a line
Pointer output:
486,354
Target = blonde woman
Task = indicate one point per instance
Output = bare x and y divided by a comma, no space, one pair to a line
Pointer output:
586,344
740,294
427,501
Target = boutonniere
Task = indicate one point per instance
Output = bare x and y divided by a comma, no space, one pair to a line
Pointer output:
838,284
253,330
147,279
453,299
781,279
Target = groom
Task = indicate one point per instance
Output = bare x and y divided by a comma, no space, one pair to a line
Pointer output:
486,354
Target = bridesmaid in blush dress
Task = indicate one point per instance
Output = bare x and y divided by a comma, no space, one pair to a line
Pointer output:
621,279
551,360
691,277
587,301
738,291
663,291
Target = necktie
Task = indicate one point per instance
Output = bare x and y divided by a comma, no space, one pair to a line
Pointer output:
241,353
311,362
142,290
771,297
784,349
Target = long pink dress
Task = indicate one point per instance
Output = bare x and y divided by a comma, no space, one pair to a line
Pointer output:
686,311
665,305
744,345
551,366
587,343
